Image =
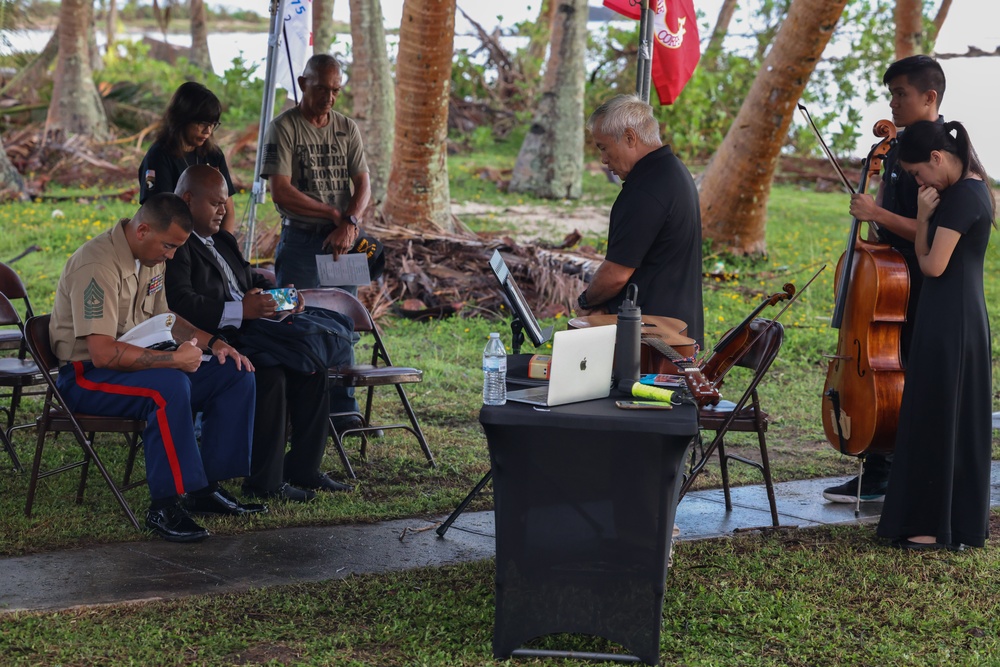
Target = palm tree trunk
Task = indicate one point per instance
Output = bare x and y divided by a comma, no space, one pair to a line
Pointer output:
200,56
372,88
322,26
737,182
550,163
76,107
419,196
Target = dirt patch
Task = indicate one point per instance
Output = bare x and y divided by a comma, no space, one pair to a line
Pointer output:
528,222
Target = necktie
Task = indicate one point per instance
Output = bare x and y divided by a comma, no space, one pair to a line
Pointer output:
234,286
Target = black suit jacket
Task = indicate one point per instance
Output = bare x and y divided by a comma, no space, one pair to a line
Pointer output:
196,285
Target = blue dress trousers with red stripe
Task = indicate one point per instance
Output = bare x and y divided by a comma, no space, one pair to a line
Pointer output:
166,398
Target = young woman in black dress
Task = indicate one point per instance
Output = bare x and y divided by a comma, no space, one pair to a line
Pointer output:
185,138
939,485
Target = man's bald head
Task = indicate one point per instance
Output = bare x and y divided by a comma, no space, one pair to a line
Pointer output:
203,188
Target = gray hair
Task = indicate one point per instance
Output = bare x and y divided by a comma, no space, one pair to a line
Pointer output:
318,63
626,111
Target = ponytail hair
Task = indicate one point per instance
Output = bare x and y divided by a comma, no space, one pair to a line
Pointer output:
925,136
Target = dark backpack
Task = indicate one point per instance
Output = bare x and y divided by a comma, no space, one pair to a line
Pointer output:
311,341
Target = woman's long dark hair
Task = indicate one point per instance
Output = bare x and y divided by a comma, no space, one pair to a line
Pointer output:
191,103
919,139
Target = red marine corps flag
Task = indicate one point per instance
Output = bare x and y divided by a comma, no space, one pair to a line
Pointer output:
675,42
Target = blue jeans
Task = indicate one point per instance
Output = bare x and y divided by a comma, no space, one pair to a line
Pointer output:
295,264
295,259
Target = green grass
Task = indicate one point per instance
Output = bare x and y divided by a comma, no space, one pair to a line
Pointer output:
804,598
801,598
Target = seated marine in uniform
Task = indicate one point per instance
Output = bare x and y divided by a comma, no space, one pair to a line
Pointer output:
111,284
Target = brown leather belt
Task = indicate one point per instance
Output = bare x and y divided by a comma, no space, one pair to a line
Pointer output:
308,226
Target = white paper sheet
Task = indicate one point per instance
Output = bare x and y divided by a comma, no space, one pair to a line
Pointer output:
349,269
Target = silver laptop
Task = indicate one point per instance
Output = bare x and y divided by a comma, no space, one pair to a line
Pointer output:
580,370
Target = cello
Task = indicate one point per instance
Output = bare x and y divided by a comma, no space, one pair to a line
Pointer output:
864,380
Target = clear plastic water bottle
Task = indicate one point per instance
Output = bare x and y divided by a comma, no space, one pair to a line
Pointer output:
494,372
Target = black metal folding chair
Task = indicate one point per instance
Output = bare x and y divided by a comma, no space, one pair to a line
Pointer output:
16,372
381,372
56,417
746,416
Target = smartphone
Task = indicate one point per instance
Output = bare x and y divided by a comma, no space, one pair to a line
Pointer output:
286,298
643,405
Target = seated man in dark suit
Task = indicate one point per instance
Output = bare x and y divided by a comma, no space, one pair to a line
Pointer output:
210,283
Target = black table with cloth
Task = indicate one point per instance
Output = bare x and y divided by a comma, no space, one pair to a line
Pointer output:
585,497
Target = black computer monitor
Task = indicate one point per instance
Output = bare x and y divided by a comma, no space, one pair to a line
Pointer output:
522,311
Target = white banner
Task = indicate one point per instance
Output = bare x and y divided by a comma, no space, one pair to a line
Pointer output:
295,45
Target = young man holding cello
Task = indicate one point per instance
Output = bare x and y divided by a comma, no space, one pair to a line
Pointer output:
916,87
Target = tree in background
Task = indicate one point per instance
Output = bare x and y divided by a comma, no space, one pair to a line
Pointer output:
110,24
372,90
550,163
322,15
76,107
199,36
540,33
737,182
419,196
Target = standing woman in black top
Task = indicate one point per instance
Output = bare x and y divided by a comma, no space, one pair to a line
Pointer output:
185,138
939,484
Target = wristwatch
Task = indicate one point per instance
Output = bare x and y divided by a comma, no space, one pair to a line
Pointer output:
353,220
582,301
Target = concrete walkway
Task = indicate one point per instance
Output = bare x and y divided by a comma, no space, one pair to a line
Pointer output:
155,570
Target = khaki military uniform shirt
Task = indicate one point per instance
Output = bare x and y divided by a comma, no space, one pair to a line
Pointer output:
101,291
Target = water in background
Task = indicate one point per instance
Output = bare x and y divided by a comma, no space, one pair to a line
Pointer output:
972,96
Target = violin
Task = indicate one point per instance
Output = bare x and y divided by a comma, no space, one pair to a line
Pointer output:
864,381
736,342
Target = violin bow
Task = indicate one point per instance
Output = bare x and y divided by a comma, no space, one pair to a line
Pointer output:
781,312
826,149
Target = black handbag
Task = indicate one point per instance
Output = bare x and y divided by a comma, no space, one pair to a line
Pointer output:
311,341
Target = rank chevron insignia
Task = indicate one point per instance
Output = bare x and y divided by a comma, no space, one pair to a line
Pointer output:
93,301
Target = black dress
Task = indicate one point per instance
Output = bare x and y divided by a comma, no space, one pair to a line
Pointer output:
940,479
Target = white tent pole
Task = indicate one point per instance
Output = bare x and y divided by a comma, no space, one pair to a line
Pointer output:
266,114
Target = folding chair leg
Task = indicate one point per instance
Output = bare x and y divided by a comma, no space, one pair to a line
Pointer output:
88,448
768,482
85,470
416,426
368,421
9,448
340,450
35,467
133,449
724,469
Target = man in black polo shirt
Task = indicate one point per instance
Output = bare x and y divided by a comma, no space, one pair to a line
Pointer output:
654,239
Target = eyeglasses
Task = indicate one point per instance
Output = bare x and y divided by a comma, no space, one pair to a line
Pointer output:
205,125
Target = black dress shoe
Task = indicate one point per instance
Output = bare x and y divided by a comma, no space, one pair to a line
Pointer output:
347,423
284,492
173,524
904,543
220,501
323,483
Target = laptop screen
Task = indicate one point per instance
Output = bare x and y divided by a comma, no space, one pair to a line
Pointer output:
520,307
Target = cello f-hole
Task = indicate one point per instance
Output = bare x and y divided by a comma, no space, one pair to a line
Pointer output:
861,372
